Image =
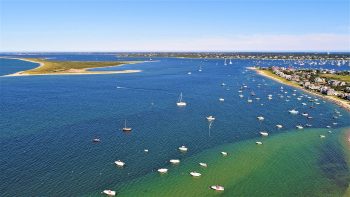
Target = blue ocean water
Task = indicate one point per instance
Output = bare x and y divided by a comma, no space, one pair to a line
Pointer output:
47,122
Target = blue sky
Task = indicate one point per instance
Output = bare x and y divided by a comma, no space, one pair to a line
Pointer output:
170,25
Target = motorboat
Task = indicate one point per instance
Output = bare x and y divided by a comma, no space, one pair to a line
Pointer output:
162,170
261,118
217,188
299,127
109,192
293,111
119,163
258,143
210,118
279,126
96,140
183,148
224,153
264,133
221,99
203,165
174,161
322,136
195,174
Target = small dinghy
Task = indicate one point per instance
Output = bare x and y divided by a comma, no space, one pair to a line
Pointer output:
279,126
224,153
258,143
264,133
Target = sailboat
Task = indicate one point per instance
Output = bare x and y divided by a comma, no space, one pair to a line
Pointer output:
126,128
230,61
225,62
180,103
200,69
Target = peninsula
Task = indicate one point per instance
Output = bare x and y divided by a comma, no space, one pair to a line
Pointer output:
48,67
331,85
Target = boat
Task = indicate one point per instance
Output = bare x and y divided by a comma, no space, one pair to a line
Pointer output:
109,192
264,133
241,95
174,161
299,127
183,148
258,143
252,93
293,111
305,114
279,126
224,153
261,118
146,150
225,62
250,100
217,188
223,84
189,73
162,170
96,140
210,118
181,103
308,125
195,174
126,128
203,165
221,99
309,117
230,61
322,136
200,69
119,163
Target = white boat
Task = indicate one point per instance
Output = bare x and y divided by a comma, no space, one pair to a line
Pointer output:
258,143
96,140
308,125
174,161
162,170
299,127
305,114
210,118
221,99
125,128
189,73
250,100
200,69
183,148
241,95
203,165
109,192
119,163
303,104
261,118
195,174
217,188
146,150
230,61
264,133
279,126
322,136
224,153
225,62
181,103
223,84
293,111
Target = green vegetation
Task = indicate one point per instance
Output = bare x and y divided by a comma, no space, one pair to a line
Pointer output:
345,78
48,67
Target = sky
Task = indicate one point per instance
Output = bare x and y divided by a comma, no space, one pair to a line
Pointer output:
174,25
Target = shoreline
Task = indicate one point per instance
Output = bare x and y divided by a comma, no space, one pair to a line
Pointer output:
337,101
84,71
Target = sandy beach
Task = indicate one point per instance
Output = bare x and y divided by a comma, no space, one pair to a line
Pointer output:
85,71
342,103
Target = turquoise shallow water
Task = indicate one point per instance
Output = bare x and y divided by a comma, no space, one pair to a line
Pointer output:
48,122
